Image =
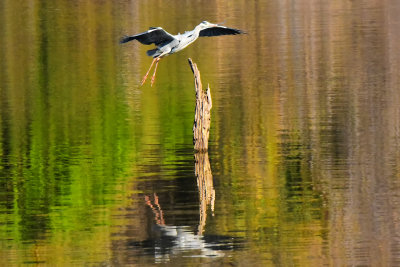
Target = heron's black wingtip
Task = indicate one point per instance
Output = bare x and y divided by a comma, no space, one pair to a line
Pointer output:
237,31
240,31
125,39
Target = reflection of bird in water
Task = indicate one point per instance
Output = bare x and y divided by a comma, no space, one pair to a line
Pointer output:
173,240
168,44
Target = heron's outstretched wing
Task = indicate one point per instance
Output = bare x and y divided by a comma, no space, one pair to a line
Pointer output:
155,36
219,30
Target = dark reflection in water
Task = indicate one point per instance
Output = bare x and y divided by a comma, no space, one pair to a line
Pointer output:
303,167
166,242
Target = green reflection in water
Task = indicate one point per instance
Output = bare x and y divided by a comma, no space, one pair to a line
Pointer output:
65,136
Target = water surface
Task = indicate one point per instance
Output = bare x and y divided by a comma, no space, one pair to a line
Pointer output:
304,162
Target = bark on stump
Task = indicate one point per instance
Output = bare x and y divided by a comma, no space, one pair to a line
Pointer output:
202,117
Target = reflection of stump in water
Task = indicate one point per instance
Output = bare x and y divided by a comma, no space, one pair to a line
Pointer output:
206,187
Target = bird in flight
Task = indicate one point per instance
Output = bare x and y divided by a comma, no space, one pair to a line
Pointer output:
167,43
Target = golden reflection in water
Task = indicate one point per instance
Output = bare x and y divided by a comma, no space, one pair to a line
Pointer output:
325,89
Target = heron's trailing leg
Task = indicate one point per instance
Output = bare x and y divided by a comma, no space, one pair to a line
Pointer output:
147,73
153,78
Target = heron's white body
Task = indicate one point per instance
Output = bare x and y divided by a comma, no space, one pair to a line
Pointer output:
185,39
180,41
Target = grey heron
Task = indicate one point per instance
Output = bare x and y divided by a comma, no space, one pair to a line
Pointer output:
167,43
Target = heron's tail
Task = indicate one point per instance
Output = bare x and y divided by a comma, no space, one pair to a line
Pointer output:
153,53
126,39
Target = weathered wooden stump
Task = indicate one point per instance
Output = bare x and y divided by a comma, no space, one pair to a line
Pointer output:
202,117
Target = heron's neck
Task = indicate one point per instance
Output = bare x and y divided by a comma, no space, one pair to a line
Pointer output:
197,29
193,35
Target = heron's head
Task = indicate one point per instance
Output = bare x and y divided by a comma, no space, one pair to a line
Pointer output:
205,24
